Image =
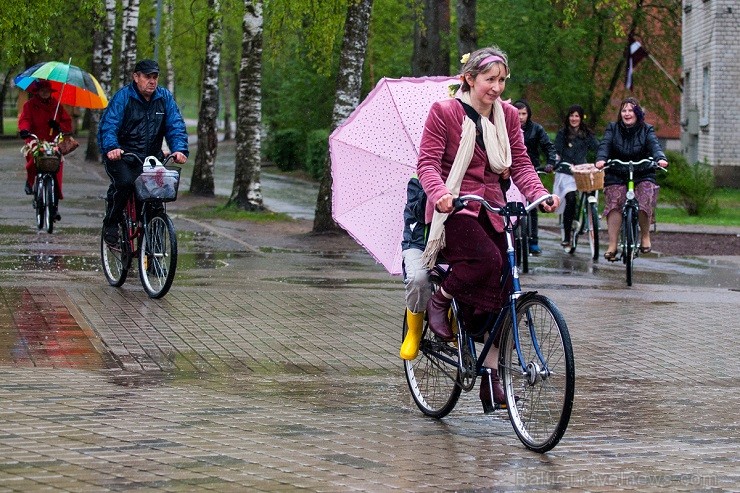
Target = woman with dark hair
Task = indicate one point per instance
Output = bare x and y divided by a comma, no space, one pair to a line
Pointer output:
629,139
572,143
468,146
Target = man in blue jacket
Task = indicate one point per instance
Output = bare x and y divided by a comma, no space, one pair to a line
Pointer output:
139,117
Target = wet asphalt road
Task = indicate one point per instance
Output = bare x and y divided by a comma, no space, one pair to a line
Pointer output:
272,366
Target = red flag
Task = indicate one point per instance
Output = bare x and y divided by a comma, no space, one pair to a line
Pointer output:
634,53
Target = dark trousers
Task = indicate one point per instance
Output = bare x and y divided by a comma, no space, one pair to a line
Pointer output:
533,221
122,177
569,213
477,255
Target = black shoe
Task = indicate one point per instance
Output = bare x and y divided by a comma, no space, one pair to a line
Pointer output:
110,235
57,217
28,189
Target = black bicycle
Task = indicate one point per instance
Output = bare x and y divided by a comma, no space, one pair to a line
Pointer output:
535,363
629,234
48,160
149,235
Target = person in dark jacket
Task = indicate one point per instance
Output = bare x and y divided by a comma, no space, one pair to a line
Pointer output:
572,143
415,274
537,142
629,139
139,117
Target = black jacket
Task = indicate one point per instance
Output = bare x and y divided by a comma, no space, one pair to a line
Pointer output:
629,144
536,140
575,150
414,228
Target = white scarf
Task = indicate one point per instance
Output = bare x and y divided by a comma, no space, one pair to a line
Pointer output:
498,150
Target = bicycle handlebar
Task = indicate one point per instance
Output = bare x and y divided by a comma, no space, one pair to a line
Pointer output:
462,202
642,164
143,162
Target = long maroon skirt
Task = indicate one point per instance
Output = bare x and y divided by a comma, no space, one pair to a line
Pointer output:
477,254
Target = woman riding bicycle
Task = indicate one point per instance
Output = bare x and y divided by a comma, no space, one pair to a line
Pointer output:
38,118
572,143
453,161
629,139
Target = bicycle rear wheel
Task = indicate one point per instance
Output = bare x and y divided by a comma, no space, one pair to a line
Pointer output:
116,259
539,399
593,230
629,243
158,256
433,382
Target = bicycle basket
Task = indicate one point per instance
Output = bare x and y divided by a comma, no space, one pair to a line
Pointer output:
158,183
588,178
47,164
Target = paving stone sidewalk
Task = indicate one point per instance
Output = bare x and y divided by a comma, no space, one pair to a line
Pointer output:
272,366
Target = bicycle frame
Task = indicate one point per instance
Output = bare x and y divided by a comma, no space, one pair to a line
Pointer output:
511,209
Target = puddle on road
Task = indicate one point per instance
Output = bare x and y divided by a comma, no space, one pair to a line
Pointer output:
691,271
37,329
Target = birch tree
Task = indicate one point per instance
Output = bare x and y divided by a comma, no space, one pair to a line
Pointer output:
348,92
247,193
102,66
128,40
202,182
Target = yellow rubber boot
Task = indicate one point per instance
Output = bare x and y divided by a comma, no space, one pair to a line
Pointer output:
410,346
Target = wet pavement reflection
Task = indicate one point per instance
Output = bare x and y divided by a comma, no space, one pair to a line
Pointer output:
272,365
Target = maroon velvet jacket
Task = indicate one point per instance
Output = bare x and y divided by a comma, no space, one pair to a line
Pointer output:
439,143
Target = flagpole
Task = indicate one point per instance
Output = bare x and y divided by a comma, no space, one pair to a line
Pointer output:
652,58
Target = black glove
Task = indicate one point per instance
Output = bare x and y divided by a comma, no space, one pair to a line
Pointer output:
25,134
54,125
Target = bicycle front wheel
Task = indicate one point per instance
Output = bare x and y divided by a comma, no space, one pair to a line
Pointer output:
593,230
49,212
158,256
539,396
116,259
38,202
523,244
630,236
434,383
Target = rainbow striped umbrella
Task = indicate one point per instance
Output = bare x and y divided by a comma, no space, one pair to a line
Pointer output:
74,86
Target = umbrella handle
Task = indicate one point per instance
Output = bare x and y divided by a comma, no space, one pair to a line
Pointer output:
61,93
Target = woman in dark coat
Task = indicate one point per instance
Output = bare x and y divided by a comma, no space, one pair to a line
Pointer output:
572,143
629,139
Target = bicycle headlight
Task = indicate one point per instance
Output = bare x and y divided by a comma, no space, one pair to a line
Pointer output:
630,194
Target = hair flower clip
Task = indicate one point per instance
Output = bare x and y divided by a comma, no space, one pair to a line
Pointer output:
465,58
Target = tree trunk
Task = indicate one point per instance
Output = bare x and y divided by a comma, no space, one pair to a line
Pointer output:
92,117
349,86
247,193
202,182
169,66
3,94
467,34
128,42
227,101
431,53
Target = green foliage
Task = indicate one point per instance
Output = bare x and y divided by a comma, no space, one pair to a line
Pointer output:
692,185
286,149
317,150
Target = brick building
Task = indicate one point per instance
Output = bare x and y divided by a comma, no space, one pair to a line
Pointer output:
710,106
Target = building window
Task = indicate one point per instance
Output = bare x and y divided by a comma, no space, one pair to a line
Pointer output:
704,117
